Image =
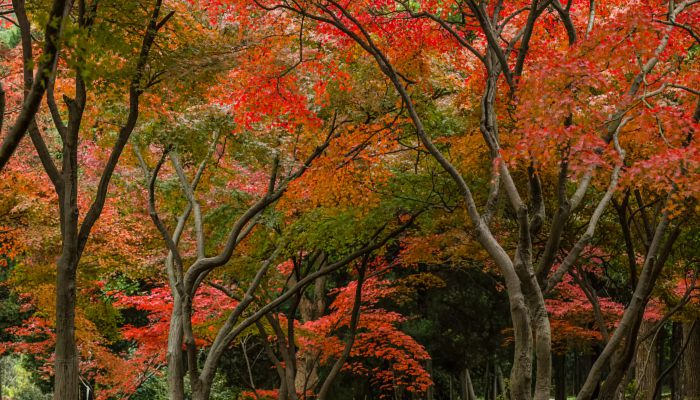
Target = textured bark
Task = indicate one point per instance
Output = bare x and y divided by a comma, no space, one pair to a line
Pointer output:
66,384
691,362
646,364
176,373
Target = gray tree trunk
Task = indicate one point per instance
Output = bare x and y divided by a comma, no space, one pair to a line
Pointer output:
467,386
176,373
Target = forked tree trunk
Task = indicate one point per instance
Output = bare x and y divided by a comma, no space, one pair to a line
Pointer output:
67,380
500,384
467,387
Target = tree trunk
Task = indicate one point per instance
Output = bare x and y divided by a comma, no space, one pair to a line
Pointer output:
176,373
662,341
691,362
487,382
559,376
677,373
467,391
500,385
310,310
430,394
521,373
619,351
67,385
646,370
201,392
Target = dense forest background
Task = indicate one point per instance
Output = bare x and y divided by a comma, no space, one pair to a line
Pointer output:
357,199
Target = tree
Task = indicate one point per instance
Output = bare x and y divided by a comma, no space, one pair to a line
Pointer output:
74,231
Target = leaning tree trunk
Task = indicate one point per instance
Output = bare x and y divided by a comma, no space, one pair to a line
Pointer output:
691,362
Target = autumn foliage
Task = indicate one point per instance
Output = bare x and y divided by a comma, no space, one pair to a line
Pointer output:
297,199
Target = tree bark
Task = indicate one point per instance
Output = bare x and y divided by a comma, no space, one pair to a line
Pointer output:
691,362
467,387
66,384
174,358
646,370
500,385
677,373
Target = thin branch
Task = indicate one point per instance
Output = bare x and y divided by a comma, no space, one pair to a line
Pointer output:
354,319
573,255
135,91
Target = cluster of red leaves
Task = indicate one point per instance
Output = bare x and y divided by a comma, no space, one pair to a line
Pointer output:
381,351
112,374
571,314
210,305
588,82
260,394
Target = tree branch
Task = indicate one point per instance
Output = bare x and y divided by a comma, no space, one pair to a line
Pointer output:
52,34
